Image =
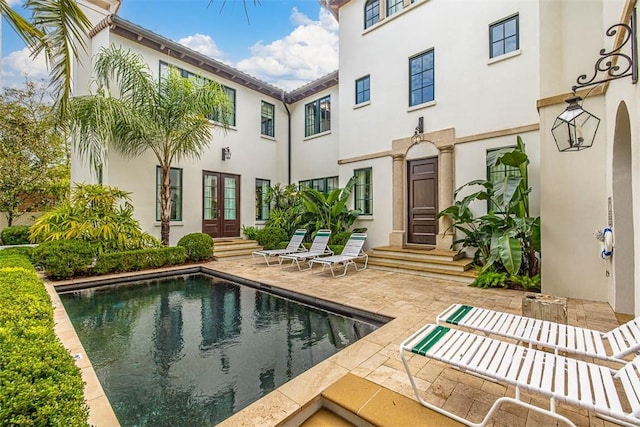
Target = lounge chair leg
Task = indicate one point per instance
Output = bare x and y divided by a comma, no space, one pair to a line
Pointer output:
496,405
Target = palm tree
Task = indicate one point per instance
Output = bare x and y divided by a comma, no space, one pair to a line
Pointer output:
169,116
57,29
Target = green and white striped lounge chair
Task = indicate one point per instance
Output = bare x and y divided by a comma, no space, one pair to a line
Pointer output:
614,345
561,379
294,245
319,247
351,253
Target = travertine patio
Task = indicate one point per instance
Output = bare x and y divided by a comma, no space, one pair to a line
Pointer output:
412,301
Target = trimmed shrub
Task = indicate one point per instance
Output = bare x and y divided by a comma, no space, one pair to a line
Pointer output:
64,258
41,385
250,232
141,259
15,235
197,246
25,251
16,260
270,237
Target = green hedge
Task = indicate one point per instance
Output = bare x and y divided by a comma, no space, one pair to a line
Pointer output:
15,235
26,251
116,262
64,258
197,246
39,383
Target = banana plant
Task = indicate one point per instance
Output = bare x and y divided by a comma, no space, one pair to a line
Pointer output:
510,239
329,211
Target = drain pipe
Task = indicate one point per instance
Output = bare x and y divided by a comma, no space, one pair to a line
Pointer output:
286,107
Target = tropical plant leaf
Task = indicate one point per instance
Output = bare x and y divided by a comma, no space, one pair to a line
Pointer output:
510,253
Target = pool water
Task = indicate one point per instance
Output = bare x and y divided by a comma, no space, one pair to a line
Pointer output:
194,350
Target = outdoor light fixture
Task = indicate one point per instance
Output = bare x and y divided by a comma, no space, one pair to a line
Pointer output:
417,137
575,129
226,153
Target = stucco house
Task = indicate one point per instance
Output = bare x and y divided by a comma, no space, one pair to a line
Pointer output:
425,90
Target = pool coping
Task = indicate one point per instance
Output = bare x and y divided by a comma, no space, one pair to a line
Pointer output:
100,411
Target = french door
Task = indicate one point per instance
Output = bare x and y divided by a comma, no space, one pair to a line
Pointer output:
221,204
422,180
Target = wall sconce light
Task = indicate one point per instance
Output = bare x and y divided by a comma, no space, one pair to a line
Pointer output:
226,153
575,129
417,137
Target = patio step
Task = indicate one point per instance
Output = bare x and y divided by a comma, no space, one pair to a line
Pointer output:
234,248
437,263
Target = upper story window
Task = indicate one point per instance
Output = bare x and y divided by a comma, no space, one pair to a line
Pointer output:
363,90
371,13
498,172
317,116
421,78
504,36
394,6
363,191
267,119
215,115
175,178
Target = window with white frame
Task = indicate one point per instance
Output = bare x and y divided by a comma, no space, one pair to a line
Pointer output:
175,179
504,36
262,206
421,78
363,90
363,191
267,119
317,116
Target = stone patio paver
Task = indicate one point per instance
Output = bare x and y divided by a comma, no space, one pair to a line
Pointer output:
411,301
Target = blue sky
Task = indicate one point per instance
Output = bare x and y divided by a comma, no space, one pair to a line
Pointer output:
284,42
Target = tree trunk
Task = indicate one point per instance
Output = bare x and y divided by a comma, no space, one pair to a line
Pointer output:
165,205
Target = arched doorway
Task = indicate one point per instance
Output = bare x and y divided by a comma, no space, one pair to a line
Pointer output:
623,256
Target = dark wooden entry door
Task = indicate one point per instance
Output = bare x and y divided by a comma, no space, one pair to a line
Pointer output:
221,204
422,182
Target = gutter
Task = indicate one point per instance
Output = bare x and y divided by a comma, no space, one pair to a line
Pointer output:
286,107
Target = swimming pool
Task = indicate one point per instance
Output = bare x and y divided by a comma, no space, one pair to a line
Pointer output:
193,350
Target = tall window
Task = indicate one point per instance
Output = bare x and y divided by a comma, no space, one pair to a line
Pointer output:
503,36
362,90
262,207
371,13
363,191
497,173
317,116
394,6
324,185
267,117
421,78
175,177
215,115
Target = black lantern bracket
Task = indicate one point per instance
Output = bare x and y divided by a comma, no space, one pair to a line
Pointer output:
617,63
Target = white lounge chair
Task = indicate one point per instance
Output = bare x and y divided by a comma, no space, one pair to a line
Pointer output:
294,245
559,378
620,342
319,247
352,251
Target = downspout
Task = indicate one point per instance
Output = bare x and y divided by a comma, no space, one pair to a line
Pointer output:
286,107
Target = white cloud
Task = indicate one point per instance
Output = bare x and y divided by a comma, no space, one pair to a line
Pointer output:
14,3
203,44
18,64
310,51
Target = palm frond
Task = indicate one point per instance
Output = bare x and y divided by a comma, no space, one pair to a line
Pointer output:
63,26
